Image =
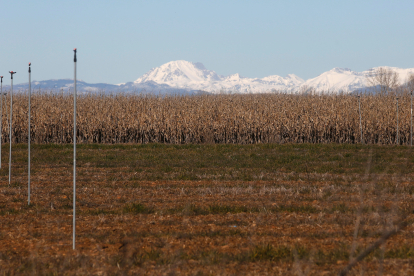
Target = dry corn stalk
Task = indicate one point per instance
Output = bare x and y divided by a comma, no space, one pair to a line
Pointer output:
235,119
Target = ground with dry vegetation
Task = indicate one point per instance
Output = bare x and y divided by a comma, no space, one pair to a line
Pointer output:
208,210
218,119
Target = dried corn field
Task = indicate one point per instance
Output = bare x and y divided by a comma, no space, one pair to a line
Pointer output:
234,119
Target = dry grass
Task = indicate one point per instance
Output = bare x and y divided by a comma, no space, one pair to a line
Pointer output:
226,119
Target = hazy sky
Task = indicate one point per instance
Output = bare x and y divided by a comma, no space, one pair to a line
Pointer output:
118,41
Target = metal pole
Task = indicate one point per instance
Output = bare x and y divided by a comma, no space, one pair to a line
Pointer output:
1,116
411,128
6,112
29,137
74,152
360,119
11,123
398,140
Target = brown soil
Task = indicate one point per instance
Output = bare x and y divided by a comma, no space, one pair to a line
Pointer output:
133,227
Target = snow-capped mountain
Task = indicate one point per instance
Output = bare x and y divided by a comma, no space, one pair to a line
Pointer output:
337,79
183,74
187,75
180,73
184,77
346,80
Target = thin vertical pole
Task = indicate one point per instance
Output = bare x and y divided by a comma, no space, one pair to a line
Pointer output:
398,140
11,123
360,119
74,152
1,116
6,112
411,128
29,137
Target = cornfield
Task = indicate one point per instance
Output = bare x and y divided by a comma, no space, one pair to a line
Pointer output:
235,119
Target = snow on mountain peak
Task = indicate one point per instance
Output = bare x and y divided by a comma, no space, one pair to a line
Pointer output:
336,79
346,80
234,77
183,74
179,73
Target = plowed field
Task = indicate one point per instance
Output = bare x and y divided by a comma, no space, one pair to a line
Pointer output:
207,210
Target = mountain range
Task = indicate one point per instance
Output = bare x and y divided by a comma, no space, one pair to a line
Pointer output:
184,77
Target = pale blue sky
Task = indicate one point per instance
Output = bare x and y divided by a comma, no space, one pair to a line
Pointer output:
118,41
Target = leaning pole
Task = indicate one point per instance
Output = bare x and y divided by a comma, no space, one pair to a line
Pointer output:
74,153
11,125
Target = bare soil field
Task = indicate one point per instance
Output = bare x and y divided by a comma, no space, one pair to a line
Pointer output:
208,210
